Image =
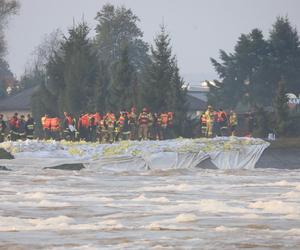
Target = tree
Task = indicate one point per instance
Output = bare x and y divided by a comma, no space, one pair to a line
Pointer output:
79,71
244,73
162,86
121,92
35,72
7,8
117,27
285,54
70,75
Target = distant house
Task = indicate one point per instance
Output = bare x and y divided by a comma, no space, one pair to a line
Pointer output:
19,103
197,98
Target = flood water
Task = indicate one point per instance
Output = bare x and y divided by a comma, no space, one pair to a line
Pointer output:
173,209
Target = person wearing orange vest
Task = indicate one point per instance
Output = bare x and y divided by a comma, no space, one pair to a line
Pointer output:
164,124
55,128
223,122
143,124
83,126
46,124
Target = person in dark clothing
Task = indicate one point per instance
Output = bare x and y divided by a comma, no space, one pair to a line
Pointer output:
69,127
29,127
93,130
126,128
22,128
3,127
14,124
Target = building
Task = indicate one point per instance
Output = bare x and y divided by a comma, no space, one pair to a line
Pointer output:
197,98
19,103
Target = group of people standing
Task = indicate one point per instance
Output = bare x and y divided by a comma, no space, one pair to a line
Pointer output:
16,128
218,123
110,127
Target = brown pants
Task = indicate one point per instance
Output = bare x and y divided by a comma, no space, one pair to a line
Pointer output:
143,131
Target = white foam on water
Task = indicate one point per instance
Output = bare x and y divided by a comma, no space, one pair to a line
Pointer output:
44,203
59,223
276,207
35,196
169,188
291,195
251,216
224,229
298,187
216,206
20,224
142,198
154,226
186,218
294,231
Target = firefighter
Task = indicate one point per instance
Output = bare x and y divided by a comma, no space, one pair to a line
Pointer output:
133,123
3,127
143,124
123,124
203,124
29,127
14,124
159,132
209,117
223,122
110,121
93,128
102,131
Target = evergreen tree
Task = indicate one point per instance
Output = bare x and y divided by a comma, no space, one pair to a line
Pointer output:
158,74
162,86
121,95
244,73
117,28
79,71
285,54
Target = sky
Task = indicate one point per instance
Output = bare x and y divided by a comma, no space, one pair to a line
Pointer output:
198,28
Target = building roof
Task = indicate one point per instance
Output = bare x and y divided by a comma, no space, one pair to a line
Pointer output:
195,104
20,101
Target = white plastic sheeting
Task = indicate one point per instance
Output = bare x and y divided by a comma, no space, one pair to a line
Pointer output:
224,152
